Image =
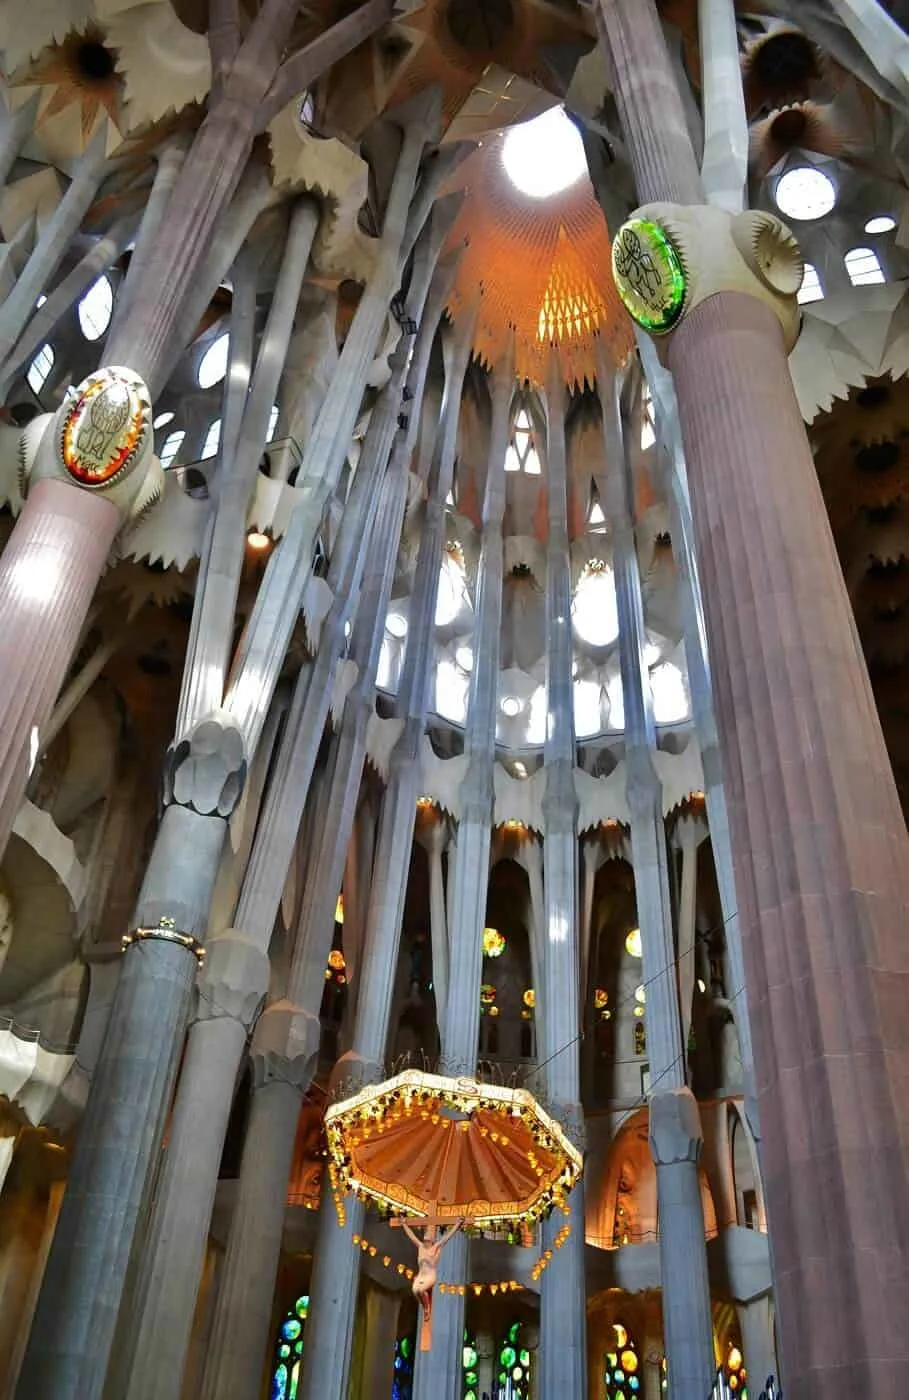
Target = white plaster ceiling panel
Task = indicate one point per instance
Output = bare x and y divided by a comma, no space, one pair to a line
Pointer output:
164,65
34,197
46,885
441,778
845,339
27,27
172,532
499,99
381,737
519,799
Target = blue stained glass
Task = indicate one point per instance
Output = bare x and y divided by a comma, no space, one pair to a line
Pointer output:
291,1329
619,1376
284,1351
279,1383
634,1383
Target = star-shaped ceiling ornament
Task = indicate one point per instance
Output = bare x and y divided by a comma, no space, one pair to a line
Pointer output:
473,50
79,89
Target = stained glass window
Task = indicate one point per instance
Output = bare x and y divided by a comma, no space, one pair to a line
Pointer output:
622,1367
470,1362
288,1354
514,1362
402,1385
734,1370
37,373
521,454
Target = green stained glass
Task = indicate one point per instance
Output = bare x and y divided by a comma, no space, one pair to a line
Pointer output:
294,1382
524,1356
298,1349
471,1378
507,1357
405,1347
284,1351
301,1307
503,1377
648,275
513,1331
469,1357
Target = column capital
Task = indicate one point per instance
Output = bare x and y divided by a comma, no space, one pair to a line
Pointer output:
234,978
206,770
100,440
675,1128
669,258
285,1046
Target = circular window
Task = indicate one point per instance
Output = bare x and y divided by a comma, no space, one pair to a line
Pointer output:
213,364
805,193
544,156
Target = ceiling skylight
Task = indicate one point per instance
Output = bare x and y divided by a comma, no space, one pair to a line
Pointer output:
805,193
881,223
544,156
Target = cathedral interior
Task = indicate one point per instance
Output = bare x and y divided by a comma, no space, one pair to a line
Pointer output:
454,624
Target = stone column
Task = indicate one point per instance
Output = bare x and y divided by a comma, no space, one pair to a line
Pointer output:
724,168
377,1368
686,1308
48,574
53,241
756,1323
812,823
470,866
327,1357
563,1296
231,987
675,1144
284,1054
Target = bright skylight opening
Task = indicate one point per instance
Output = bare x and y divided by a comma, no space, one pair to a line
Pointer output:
171,446
881,223
596,618
464,658
805,193
162,420
39,369
616,703
272,423
544,156
96,309
863,267
511,706
539,712
811,289
396,625
213,364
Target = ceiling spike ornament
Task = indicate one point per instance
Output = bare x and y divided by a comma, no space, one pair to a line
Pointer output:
783,66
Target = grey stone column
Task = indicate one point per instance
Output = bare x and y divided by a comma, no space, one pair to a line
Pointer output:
470,867
758,1346
724,167
77,1312
243,438
675,1143
563,1303
231,987
326,1358
686,1306
284,1054
54,239
375,1373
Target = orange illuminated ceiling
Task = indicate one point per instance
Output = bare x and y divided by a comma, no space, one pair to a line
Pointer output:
542,268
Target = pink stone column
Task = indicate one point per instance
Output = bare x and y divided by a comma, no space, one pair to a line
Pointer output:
821,861
48,574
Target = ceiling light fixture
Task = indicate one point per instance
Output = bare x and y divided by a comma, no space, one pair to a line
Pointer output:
257,540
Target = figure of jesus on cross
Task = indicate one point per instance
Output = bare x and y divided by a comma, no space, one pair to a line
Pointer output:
429,1248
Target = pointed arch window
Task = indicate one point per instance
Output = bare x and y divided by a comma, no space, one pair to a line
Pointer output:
622,1367
515,1362
212,440
170,447
811,289
288,1353
648,429
96,309
595,610
36,376
863,267
521,454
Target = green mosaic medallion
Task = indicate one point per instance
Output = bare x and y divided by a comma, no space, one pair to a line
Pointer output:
649,276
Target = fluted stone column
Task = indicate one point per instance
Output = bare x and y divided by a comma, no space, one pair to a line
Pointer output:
53,241
284,1055
48,576
327,1358
377,1361
756,1325
819,841
686,1297
563,1297
231,987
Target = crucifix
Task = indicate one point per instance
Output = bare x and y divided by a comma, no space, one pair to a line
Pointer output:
429,1248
